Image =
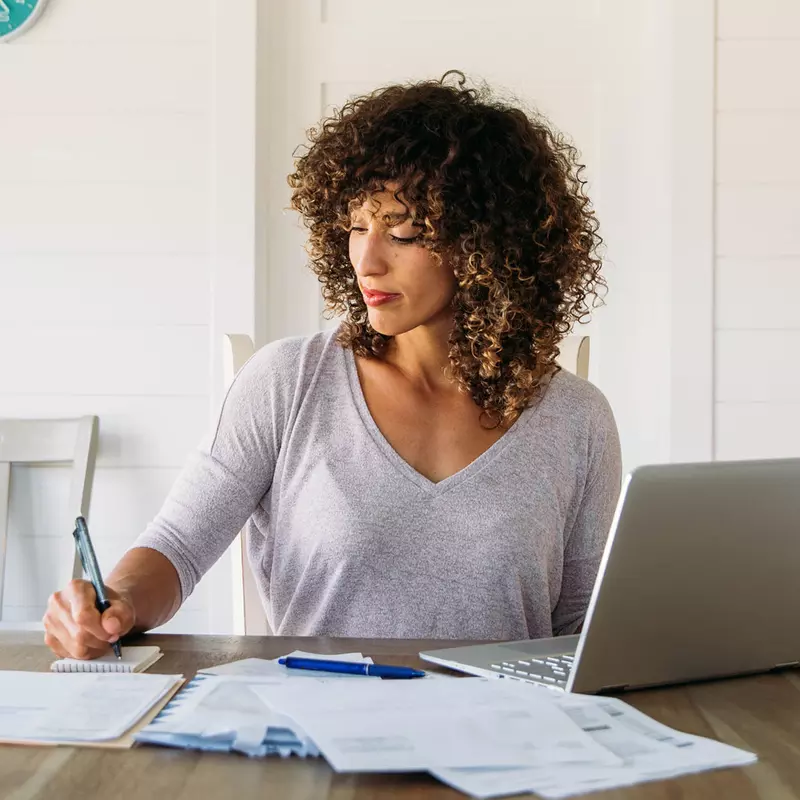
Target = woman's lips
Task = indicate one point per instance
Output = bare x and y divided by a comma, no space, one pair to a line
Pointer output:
374,298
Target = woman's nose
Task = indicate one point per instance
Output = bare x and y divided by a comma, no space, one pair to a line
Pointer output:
368,255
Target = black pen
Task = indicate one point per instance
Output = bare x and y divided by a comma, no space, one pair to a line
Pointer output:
92,569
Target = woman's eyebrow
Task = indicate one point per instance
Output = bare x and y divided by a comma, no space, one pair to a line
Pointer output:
393,220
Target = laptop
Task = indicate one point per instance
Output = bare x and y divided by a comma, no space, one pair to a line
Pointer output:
700,579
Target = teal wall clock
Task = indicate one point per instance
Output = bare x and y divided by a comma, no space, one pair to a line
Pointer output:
16,16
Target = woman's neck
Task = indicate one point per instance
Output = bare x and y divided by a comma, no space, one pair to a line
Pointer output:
421,355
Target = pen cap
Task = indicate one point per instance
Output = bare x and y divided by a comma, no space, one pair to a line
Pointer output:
86,552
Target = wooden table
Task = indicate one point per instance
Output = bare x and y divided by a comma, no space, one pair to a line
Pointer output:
761,714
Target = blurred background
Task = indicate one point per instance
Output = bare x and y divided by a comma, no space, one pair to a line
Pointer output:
143,155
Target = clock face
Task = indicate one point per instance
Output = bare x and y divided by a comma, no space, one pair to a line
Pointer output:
18,15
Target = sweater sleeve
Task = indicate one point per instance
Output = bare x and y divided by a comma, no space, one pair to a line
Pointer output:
586,539
223,482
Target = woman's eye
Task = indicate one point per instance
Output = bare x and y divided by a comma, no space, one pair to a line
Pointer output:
397,239
404,240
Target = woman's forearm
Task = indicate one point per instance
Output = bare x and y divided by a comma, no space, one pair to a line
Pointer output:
150,583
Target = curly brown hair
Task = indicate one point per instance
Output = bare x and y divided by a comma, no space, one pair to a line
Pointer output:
502,198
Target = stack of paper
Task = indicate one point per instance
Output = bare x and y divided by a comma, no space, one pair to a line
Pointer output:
487,738
220,711
647,749
382,726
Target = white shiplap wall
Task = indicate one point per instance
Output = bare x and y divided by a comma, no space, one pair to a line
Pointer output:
105,306
758,229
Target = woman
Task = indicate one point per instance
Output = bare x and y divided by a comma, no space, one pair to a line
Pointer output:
426,470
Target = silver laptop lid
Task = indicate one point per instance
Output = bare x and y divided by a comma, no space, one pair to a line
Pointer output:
700,577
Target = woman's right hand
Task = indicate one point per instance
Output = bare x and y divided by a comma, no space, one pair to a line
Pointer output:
74,628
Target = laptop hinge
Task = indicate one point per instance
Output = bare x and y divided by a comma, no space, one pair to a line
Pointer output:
787,665
620,687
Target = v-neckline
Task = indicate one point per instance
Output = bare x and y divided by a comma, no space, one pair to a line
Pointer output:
402,466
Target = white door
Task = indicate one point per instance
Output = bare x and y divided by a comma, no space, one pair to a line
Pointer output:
600,70
320,52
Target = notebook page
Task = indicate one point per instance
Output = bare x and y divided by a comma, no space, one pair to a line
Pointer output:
134,659
52,707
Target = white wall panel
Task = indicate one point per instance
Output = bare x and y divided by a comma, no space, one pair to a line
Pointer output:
63,218
757,366
106,222
757,430
758,147
765,19
105,77
537,12
758,221
160,148
107,289
134,431
757,316
758,74
117,361
758,293
90,21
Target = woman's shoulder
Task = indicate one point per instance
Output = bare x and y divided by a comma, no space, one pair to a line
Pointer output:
288,358
582,415
579,402
280,368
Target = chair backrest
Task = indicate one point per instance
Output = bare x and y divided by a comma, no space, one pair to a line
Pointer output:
48,441
237,349
249,615
574,355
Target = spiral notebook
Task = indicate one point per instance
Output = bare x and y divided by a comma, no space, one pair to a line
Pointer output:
134,659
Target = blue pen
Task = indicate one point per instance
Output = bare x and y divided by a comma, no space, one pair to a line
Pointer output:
92,569
351,667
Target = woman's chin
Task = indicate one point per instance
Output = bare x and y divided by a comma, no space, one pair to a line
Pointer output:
388,324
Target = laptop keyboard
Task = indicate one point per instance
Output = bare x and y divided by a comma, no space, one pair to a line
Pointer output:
549,670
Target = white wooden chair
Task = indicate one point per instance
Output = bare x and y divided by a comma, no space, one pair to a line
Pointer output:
237,348
249,617
574,355
48,441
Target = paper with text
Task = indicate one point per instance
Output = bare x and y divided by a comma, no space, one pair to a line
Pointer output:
648,751
415,725
52,706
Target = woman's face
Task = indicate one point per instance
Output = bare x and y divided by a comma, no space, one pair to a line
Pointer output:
403,285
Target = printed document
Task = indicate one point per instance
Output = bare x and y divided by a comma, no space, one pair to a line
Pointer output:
378,726
84,707
648,751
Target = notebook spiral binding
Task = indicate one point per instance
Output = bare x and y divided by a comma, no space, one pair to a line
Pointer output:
88,666
179,697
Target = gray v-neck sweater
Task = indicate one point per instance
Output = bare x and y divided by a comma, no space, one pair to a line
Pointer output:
347,539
